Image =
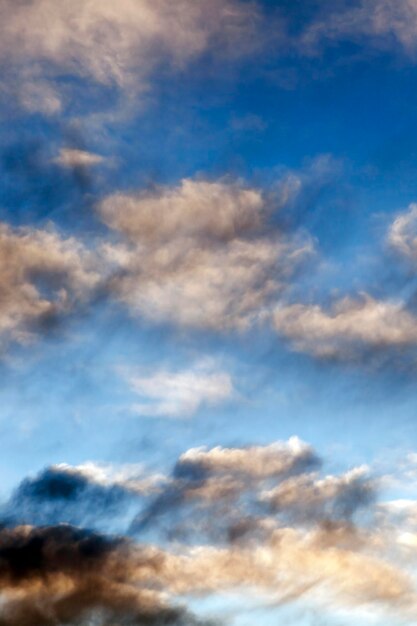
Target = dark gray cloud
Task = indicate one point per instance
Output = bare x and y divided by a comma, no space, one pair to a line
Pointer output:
262,517
68,576
64,494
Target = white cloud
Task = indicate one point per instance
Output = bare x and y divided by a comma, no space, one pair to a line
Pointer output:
181,393
41,276
351,325
402,235
114,43
277,458
131,477
70,157
280,532
199,255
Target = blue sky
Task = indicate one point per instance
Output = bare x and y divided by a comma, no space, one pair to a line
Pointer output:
208,314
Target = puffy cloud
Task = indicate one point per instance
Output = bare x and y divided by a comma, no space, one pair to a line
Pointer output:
309,497
402,235
181,393
219,211
205,492
42,276
258,461
97,496
199,255
113,45
60,575
131,477
258,519
349,327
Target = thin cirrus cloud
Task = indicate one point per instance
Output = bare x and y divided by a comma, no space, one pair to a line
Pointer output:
199,255
377,23
181,393
114,45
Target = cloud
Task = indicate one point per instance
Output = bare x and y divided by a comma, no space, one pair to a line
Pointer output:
60,575
280,532
257,461
181,393
42,277
109,45
263,520
96,496
71,157
206,487
55,576
402,234
291,566
309,497
351,326
199,255
378,23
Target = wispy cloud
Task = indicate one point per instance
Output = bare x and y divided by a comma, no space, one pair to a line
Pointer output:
402,235
181,393
374,23
114,45
71,157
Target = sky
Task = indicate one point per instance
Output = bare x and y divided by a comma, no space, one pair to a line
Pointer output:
208,312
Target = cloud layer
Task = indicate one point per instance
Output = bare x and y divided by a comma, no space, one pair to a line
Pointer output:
263,519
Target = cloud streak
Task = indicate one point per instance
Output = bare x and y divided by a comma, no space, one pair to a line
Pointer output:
376,23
